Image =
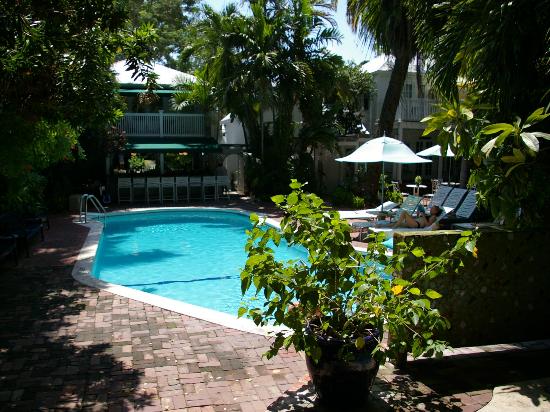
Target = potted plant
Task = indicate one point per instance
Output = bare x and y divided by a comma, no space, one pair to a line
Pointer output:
418,180
136,163
337,305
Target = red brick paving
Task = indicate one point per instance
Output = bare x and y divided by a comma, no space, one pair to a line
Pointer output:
65,346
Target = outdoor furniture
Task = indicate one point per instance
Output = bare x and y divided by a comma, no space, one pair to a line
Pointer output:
168,190
153,191
440,195
367,213
182,182
209,188
409,205
435,186
464,212
139,189
195,182
454,198
416,188
124,189
389,231
383,149
23,229
8,246
222,187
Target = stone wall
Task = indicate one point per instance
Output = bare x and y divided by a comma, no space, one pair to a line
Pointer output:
503,295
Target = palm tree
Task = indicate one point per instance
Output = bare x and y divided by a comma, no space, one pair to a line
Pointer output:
385,26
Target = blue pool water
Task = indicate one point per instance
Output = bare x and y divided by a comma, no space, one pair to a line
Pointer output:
194,256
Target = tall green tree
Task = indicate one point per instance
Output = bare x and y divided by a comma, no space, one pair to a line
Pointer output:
172,22
267,61
386,26
499,50
55,78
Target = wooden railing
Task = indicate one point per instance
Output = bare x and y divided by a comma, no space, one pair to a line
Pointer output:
163,125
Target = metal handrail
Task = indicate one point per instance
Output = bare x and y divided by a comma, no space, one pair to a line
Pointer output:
83,216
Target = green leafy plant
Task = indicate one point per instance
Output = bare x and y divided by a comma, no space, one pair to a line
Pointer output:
418,180
339,292
136,163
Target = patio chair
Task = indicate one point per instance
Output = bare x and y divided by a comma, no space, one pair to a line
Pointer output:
8,246
367,213
409,205
168,190
195,182
181,183
23,229
139,189
153,192
389,231
454,198
440,195
464,212
222,187
435,186
124,189
209,187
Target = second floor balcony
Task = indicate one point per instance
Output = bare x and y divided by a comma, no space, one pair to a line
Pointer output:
409,110
173,125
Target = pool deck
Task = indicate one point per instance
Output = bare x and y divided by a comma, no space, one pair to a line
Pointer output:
67,346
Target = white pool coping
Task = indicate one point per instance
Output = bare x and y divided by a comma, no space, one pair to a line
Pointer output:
82,272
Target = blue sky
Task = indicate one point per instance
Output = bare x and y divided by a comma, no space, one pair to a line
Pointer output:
350,48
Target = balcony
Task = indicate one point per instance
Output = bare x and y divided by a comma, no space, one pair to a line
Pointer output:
409,110
414,110
163,125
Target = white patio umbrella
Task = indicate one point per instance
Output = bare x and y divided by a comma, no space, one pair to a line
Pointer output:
436,151
386,150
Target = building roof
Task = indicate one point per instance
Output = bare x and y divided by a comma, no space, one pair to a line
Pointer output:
384,63
166,75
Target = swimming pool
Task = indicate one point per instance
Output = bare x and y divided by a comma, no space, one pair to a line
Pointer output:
190,255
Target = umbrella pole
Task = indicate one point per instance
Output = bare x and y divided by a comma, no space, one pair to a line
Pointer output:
383,181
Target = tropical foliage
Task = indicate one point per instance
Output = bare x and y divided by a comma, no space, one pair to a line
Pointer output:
339,292
172,21
55,76
497,49
386,26
262,64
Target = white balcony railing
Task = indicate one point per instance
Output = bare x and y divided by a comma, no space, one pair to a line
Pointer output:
415,109
163,125
409,110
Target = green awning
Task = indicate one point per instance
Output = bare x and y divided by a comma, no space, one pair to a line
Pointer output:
195,145
136,91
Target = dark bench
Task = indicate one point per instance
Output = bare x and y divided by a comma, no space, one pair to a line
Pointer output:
24,229
8,246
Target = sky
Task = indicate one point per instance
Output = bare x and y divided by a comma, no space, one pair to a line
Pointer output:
350,48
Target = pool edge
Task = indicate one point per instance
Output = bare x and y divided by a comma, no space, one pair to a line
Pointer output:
82,273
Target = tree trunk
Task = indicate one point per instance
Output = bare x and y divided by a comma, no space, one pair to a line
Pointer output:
464,171
393,94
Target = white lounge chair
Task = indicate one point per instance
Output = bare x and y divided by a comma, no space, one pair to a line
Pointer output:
154,191
389,231
367,213
124,189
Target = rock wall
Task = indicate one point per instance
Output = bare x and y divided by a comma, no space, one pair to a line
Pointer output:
502,296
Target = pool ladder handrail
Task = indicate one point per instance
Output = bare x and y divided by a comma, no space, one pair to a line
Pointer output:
83,216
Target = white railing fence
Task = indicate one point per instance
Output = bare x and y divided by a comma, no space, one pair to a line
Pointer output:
163,125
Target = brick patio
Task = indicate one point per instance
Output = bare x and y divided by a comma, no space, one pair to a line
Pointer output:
65,346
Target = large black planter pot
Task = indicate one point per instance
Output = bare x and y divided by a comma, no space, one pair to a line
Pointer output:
340,384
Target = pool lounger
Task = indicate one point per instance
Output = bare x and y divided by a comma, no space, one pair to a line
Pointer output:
389,231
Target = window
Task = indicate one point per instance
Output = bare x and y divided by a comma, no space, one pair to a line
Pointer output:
408,91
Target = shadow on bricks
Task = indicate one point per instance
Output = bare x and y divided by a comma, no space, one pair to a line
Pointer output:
54,354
